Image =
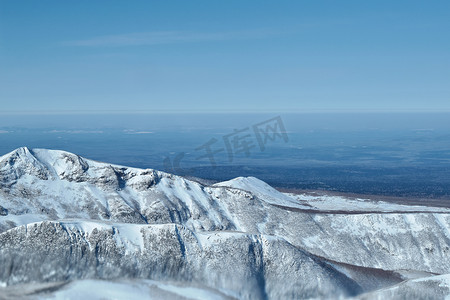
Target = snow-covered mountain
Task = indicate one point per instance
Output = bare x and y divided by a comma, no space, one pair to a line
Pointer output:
69,224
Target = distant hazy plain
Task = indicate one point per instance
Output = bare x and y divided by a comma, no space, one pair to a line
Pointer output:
399,154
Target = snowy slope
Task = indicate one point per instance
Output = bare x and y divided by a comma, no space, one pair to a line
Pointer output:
124,289
433,287
250,266
64,217
331,203
261,190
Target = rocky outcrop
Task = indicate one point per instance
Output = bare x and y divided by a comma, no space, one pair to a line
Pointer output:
65,218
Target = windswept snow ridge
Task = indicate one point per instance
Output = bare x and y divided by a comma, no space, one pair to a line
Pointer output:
68,224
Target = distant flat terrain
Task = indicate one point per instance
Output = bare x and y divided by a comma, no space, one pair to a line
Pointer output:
374,199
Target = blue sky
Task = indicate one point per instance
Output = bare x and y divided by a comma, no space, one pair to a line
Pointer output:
236,56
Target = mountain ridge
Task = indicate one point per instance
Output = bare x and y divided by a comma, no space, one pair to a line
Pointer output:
242,229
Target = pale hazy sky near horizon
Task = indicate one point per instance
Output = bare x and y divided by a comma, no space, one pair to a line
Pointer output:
237,56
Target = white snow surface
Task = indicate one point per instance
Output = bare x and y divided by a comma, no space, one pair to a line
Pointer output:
261,190
329,203
347,204
125,289
83,197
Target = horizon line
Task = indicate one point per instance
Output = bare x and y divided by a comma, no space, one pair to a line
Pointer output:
171,111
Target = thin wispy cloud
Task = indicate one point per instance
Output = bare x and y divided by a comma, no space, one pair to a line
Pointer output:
166,37
132,131
77,131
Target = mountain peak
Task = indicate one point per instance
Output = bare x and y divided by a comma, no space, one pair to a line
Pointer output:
260,189
18,163
19,152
